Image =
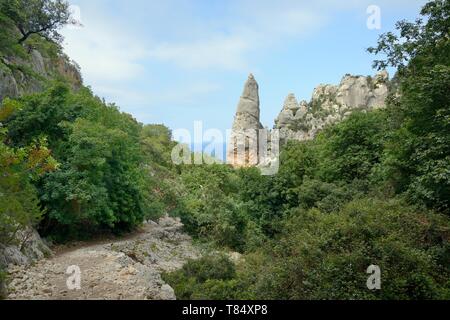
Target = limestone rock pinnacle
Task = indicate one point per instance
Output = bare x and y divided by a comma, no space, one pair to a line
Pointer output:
244,134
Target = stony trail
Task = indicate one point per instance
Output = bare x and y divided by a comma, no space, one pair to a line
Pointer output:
129,268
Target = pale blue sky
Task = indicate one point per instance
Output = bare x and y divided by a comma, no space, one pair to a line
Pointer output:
175,62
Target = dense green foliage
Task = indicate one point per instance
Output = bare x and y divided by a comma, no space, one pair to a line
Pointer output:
103,181
210,277
371,190
20,166
418,154
321,255
208,207
19,204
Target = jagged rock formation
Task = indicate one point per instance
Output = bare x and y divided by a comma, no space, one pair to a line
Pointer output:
292,111
331,104
301,121
26,75
243,141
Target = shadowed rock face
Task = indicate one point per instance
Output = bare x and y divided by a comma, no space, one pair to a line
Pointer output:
243,147
14,82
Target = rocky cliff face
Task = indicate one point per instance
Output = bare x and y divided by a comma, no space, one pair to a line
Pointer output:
331,104
26,75
243,146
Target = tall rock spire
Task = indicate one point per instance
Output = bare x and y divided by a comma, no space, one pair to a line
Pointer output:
249,101
243,144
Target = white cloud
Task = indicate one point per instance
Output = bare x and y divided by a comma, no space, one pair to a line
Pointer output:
103,51
109,51
252,30
185,94
221,51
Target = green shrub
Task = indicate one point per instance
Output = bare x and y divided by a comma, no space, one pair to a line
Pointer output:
351,149
209,277
108,178
210,209
327,197
325,255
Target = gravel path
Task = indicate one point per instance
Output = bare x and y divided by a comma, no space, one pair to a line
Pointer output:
121,269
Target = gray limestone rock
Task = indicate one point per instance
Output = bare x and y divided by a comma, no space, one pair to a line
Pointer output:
243,143
330,104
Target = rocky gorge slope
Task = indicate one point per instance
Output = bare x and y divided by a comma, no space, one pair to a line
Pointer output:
29,73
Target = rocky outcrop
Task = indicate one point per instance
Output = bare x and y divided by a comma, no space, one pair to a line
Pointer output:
292,111
243,140
26,75
26,248
331,104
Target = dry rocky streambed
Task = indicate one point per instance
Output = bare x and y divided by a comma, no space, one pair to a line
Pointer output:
128,268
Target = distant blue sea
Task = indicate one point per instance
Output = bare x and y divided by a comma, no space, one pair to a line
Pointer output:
196,147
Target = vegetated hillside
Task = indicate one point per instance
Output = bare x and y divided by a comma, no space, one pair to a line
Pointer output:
71,165
373,189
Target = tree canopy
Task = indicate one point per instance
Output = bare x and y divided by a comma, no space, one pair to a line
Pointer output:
43,17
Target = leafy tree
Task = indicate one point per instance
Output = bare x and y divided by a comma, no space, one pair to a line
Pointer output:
206,278
42,17
352,148
106,179
418,45
209,208
418,154
97,186
157,144
42,115
261,201
19,206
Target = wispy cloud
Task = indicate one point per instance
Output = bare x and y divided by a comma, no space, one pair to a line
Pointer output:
104,51
230,46
149,56
178,94
110,51
215,52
